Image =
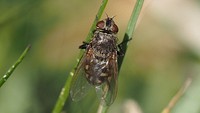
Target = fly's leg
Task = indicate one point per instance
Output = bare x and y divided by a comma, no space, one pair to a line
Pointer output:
121,52
84,45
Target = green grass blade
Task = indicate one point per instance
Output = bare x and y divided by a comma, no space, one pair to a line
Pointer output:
13,67
130,29
65,90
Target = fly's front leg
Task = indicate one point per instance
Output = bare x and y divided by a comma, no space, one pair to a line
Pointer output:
84,45
121,52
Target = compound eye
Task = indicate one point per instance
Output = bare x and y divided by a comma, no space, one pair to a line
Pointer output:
115,28
100,24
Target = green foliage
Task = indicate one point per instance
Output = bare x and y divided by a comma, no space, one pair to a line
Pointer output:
14,66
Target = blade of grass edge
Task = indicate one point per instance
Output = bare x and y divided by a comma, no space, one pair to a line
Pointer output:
65,90
13,67
128,36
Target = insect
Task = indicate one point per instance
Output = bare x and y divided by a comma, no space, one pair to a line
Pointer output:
98,67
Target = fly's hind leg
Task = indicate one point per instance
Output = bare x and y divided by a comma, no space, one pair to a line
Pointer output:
84,45
120,52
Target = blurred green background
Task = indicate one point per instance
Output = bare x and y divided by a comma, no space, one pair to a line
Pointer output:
163,53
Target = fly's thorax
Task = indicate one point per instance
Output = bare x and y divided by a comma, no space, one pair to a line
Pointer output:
101,36
104,43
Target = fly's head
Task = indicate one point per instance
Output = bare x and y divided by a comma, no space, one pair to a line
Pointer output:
107,25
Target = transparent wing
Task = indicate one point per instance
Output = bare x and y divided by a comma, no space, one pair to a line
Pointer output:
80,86
108,91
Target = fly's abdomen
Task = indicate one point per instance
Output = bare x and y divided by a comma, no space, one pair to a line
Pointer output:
96,68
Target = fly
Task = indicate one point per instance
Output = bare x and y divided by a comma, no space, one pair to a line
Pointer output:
98,67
